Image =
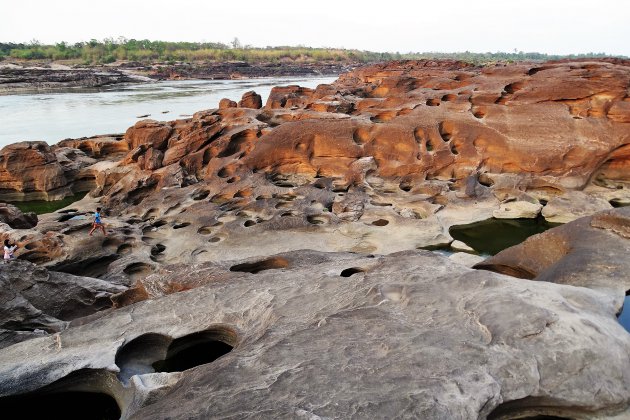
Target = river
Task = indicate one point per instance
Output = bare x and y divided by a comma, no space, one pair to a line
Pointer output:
74,113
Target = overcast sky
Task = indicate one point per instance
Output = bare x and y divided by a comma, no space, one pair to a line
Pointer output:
550,26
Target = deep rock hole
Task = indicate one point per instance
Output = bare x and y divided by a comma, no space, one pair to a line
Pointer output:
258,266
78,395
153,352
350,271
61,405
192,350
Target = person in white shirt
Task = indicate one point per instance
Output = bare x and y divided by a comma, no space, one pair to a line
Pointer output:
9,249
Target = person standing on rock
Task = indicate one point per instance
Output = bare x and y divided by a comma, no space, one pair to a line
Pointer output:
9,249
98,223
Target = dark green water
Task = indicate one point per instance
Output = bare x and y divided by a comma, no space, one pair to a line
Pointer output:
494,235
42,207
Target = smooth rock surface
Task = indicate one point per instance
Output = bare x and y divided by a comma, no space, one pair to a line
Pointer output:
573,205
518,210
35,301
410,334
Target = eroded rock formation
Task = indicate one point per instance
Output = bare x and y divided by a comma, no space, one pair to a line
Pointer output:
36,302
381,162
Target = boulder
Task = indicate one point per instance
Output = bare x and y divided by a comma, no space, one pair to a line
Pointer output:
518,210
29,167
150,133
588,252
227,103
250,100
14,217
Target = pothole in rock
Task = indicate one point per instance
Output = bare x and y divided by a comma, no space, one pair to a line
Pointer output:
157,249
151,352
317,220
62,405
124,249
200,195
619,202
351,271
197,349
380,222
75,397
204,230
181,225
138,270
361,136
258,266
249,223
90,267
159,223
380,203
531,408
492,236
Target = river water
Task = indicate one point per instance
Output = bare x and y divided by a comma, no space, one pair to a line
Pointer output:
54,116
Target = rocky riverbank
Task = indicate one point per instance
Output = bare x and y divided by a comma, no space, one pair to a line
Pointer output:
271,252
19,78
14,79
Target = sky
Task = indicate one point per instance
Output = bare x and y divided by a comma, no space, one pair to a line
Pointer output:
546,26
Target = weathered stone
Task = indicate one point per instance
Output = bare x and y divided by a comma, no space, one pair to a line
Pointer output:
35,301
13,217
465,258
148,132
588,252
573,205
250,100
407,324
461,246
227,103
517,210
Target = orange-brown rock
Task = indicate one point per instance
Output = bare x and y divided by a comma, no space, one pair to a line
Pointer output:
111,147
250,100
29,167
148,132
416,146
288,96
227,103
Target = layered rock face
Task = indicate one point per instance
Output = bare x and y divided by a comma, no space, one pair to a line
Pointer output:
34,170
383,160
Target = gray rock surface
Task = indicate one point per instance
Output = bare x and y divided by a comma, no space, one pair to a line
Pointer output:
35,301
409,335
518,209
14,217
573,205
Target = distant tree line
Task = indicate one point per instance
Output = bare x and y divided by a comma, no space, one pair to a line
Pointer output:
110,50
